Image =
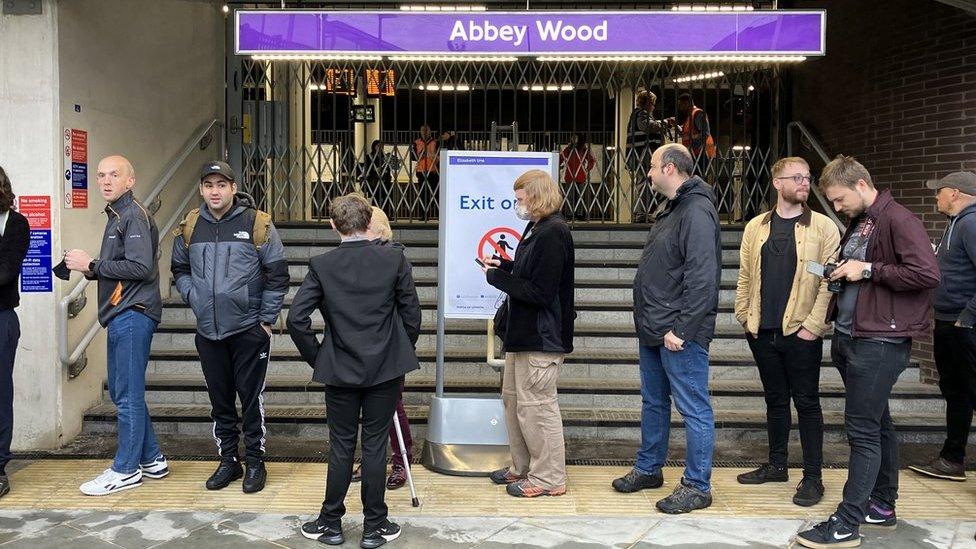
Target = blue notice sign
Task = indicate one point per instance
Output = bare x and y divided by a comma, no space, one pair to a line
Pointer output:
35,273
79,175
497,161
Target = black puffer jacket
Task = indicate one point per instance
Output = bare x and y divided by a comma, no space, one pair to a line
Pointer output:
677,282
539,284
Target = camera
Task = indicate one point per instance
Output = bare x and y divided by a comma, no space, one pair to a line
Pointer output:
834,286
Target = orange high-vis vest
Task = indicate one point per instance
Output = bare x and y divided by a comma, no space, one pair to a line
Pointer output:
690,134
426,156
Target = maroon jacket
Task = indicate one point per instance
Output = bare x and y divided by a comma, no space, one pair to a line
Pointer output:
896,302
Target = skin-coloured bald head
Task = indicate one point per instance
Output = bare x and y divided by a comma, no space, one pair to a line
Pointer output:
115,177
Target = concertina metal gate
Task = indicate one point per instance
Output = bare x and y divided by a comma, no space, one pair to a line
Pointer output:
301,149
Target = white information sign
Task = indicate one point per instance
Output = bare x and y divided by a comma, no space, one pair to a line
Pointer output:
478,218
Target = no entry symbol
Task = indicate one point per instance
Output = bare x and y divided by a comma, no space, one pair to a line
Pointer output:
500,241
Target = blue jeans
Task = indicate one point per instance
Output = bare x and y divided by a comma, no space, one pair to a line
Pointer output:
129,337
683,375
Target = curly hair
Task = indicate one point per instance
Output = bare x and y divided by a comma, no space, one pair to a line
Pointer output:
6,192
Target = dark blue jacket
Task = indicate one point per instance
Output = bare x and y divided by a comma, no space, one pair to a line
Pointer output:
955,298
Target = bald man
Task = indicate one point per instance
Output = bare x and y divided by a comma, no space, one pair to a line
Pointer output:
129,306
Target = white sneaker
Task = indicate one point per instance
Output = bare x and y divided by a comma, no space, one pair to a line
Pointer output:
110,482
155,469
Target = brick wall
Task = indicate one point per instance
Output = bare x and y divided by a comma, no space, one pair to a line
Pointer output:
897,90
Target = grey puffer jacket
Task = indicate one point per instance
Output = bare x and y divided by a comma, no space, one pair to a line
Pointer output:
229,283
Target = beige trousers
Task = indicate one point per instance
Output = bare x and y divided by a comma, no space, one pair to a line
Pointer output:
535,426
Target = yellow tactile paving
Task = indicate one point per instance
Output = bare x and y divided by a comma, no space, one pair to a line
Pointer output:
298,488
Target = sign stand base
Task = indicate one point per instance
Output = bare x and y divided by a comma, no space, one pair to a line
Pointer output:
466,436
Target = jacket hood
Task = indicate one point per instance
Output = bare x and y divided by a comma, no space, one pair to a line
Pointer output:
242,202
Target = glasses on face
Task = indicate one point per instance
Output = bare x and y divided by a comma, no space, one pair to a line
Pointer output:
797,178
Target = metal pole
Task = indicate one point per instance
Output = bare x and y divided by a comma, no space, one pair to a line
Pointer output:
441,272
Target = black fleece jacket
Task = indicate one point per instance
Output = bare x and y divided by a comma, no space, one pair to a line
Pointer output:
13,249
539,284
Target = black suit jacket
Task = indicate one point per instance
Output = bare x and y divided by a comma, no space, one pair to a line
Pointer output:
371,311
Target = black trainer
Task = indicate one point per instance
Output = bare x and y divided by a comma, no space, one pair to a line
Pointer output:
227,472
765,473
684,499
634,481
828,534
321,532
880,515
254,477
809,492
4,485
374,538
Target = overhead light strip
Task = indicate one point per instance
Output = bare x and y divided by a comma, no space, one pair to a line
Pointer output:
712,7
611,58
697,77
316,57
741,58
455,58
419,7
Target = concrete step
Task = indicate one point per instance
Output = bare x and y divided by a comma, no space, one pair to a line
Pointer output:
620,393
727,338
419,232
595,424
588,364
297,250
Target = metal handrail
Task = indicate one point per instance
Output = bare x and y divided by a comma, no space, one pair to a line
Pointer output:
73,303
817,148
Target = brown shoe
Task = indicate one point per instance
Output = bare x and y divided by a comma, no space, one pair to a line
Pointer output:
525,489
357,474
940,468
397,478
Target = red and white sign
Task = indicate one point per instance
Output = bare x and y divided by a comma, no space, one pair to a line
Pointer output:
500,242
37,210
75,173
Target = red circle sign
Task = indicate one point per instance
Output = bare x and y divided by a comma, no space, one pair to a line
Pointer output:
498,244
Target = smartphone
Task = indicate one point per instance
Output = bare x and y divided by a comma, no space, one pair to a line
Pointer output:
479,262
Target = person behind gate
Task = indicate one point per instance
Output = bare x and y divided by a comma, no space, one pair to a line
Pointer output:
675,303
230,268
539,334
368,301
781,306
130,306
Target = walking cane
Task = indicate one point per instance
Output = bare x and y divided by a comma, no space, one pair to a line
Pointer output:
406,461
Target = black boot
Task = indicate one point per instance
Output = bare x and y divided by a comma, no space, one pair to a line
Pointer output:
254,477
227,472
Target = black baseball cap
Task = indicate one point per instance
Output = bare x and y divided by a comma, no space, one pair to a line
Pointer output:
217,166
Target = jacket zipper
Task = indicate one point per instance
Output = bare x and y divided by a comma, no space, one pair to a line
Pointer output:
214,278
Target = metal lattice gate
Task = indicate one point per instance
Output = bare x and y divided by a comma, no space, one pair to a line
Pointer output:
306,135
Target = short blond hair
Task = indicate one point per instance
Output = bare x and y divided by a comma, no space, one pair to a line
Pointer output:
645,98
781,164
543,197
846,171
380,223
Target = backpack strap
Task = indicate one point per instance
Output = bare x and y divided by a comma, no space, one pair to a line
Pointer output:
262,226
187,225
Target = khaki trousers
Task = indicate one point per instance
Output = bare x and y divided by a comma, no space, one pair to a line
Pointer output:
535,426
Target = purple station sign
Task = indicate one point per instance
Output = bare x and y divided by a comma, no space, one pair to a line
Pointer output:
531,32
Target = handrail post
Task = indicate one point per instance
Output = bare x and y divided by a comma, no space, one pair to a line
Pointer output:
817,148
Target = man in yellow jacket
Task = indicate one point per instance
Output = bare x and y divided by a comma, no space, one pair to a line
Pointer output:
783,307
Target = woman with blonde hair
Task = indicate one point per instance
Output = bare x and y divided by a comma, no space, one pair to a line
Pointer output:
538,335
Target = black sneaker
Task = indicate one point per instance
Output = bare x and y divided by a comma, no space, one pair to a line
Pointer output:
765,473
227,472
634,481
254,477
880,515
684,499
828,534
319,531
4,485
379,536
809,492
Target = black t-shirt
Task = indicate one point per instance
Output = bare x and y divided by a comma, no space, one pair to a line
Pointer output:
778,268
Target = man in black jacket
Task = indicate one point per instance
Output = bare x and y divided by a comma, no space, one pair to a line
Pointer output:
675,302
372,324
14,239
130,307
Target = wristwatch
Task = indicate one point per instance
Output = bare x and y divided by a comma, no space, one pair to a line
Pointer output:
866,273
91,266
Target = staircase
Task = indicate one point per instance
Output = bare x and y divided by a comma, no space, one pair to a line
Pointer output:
599,388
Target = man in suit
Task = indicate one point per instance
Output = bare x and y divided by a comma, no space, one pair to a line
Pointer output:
372,324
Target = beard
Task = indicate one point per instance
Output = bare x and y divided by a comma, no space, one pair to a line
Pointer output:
795,196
